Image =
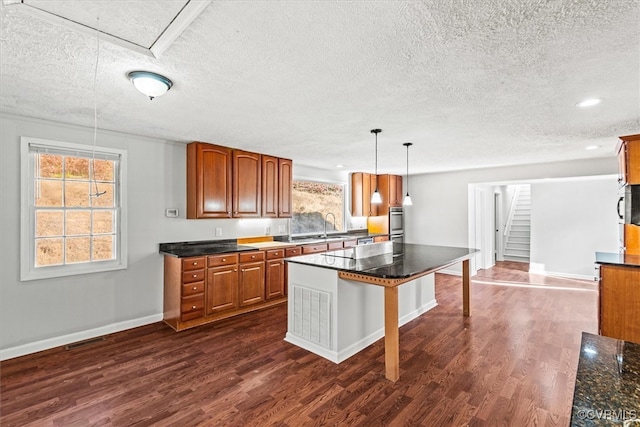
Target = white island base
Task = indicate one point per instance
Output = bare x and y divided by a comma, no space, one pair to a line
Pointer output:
336,318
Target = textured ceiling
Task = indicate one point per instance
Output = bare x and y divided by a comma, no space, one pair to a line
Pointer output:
470,83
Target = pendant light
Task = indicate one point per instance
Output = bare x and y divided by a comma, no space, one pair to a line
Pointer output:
407,198
376,199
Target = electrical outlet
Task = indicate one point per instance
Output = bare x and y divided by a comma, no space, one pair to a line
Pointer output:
267,230
282,229
218,231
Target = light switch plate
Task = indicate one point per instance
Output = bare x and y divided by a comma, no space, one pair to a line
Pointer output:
218,231
171,213
267,230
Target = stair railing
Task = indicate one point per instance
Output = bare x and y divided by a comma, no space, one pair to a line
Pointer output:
512,210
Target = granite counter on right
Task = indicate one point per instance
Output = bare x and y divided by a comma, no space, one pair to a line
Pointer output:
619,295
607,390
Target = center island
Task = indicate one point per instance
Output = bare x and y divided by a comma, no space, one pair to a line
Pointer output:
338,305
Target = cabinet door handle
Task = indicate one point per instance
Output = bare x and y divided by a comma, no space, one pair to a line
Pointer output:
235,270
253,257
224,259
193,307
195,263
195,275
195,288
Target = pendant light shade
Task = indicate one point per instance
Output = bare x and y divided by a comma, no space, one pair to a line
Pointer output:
376,199
151,84
407,198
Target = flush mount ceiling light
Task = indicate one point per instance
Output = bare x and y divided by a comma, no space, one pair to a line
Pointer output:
407,198
151,84
376,199
592,147
589,102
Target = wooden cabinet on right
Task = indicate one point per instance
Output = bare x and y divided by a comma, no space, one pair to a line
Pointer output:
390,187
629,160
620,302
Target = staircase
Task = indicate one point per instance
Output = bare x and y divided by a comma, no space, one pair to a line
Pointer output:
518,229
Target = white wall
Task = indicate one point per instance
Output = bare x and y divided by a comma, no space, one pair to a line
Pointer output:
46,313
440,211
570,221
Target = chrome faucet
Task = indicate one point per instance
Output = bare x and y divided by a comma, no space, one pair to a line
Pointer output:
324,236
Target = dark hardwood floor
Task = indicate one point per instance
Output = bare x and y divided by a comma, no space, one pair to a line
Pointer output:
512,363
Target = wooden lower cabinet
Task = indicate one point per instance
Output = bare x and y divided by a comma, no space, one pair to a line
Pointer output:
275,274
222,289
200,290
620,302
251,278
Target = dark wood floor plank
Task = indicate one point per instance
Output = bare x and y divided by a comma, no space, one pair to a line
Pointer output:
513,362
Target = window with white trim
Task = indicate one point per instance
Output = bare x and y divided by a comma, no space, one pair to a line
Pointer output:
73,212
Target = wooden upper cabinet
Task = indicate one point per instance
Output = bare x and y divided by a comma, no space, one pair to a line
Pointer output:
629,159
246,184
390,187
362,187
285,188
277,183
269,186
209,186
226,183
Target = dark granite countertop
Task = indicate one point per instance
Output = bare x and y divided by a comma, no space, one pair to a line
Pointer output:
622,259
203,248
607,390
213,247
407,260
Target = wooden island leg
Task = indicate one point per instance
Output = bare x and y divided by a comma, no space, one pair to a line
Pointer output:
391,334
465,288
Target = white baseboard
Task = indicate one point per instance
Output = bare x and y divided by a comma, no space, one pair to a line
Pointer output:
34,347
451,272
536,269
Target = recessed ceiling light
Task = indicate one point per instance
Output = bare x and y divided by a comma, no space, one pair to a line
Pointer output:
592,147
589,102
339,166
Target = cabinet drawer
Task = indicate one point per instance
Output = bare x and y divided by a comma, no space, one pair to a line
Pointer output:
192,289
289,252
349,243
251,256
192,307
226,259
192,276
192,263
332,246
311,249
275,253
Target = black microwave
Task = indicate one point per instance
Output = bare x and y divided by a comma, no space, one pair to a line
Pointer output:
629,204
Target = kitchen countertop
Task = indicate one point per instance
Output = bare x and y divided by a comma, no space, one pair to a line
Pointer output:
203,248
607,390
406,261
213,247
621,259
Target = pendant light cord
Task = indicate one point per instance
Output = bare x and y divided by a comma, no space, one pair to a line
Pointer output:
407,169
95,116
